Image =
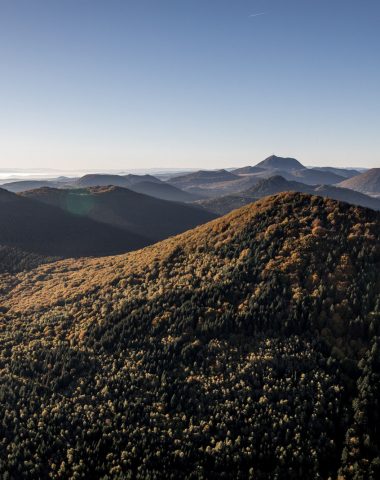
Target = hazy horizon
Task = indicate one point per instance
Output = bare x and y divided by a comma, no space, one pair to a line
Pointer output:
167,84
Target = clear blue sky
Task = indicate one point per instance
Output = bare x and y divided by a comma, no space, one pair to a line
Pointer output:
188,83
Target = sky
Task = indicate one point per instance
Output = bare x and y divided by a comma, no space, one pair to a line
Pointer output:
107,84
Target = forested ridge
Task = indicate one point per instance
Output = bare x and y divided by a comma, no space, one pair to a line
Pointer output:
245,348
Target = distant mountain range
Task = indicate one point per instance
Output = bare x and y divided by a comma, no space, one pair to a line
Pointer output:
291,169
221,183
227,186
278,184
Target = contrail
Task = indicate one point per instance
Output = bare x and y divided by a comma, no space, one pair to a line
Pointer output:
257,14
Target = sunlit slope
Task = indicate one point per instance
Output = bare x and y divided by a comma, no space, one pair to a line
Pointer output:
245,348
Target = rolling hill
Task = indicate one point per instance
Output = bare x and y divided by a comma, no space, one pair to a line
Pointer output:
311,176
367,182
201,178
24,185
143,215
101,180
29,227
206,184
342,172
245,348
165,191
104,180
277,184
280,163
226,203
146,184
292,170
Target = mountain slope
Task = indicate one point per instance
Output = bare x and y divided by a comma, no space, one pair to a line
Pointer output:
24,185
367,182
226,203
29,226
165,191
206,184
342,172
133,179
280,163
235,349
277,184
122,208
292,170
202,177
101,180
311,176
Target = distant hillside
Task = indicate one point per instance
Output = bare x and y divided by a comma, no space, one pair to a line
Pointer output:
144,215
164,191
315,177
24,185
307,176
367,182
277,184
247,348
280,163
248,170
202,177
206,184
29,226
226,203
292,170
342,172
101,180
134,179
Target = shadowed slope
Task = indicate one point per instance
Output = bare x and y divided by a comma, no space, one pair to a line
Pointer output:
30,226
144,215
165,191
249,344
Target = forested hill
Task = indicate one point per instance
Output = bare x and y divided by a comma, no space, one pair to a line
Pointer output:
245,348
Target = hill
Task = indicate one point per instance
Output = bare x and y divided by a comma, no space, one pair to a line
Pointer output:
293,170
311,176
367,182
165,191
248,170
246,348
24,185
202,177
206,184
146,184
29,227
150,217
104,180
280,163
101,180
342,172
226,203
277,184
134,179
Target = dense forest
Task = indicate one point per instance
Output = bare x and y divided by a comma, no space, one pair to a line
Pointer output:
247,348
